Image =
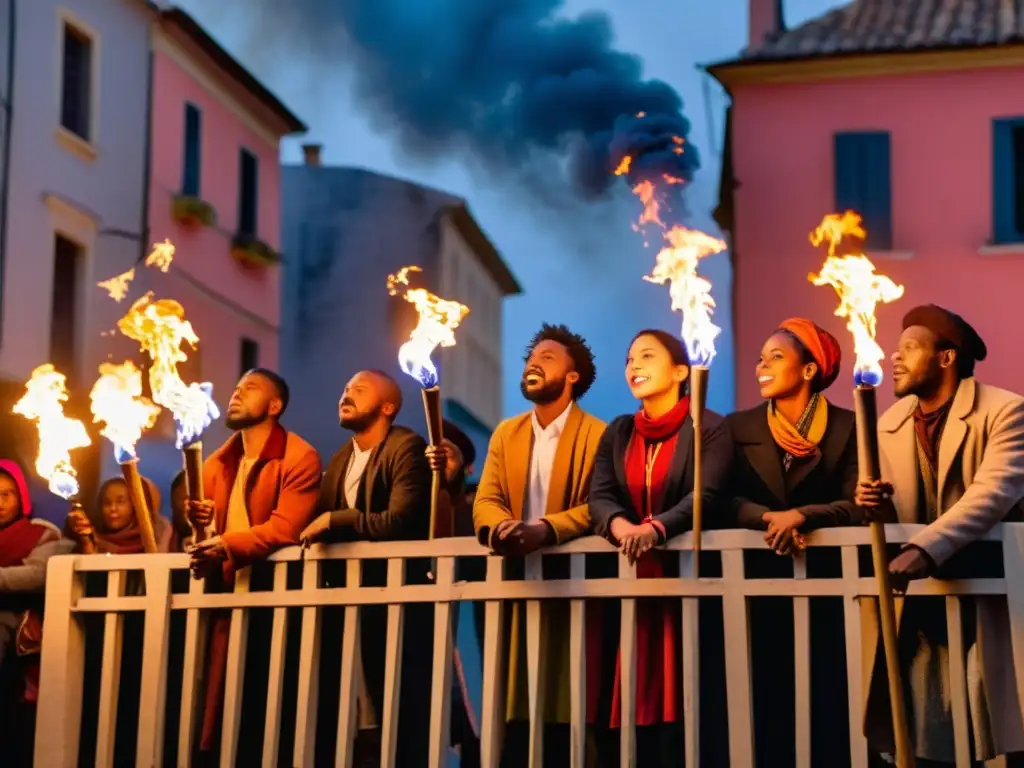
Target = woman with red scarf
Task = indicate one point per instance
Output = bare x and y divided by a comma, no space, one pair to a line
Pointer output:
117,531
641,495
795,470
25,546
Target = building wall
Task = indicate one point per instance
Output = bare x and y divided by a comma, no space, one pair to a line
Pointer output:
345,230
88,191
224,300
941,159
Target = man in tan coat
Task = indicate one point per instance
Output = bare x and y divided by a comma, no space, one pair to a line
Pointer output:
533,493
952,453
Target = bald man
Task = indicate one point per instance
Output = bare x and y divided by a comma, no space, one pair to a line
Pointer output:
377,488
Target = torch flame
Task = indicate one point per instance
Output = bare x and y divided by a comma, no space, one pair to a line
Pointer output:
43,402
859,289
691,294
117,402
160,328
160,257
438,319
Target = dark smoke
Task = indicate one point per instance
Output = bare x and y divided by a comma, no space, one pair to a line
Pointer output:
505,80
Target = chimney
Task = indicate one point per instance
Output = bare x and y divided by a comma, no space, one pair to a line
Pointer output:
311,153
766,22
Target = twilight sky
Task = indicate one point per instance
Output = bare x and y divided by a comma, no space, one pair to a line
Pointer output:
579,264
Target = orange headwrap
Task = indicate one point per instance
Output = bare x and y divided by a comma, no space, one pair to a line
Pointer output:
820,343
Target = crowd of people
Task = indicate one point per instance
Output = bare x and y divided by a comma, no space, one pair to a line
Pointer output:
952,453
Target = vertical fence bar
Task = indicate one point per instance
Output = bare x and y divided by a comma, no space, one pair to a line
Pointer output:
802,668
152,698
852,625
392,667
308,685
577,669
736,618
691,665
234,676
495,675
196,629
351,667
441,686
535,662
627,661
110,674
275,681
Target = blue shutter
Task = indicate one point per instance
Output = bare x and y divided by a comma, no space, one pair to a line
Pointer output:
248,193
847,172
863,183
1004,229
192,159
876,187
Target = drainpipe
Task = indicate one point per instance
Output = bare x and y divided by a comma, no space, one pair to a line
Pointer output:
5,182
147,170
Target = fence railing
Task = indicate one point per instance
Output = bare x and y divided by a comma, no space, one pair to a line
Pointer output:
64,657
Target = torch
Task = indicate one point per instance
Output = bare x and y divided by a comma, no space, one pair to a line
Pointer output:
118,404
160,328
438,319
860,290
43,402
676,265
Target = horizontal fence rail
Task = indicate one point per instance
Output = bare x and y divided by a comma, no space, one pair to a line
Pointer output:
68,607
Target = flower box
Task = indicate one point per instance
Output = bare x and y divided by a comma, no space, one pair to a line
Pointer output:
253,253
193,212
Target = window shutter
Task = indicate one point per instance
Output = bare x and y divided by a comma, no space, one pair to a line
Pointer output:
876,183
1007,180
248,183
847,172
193,150
76,85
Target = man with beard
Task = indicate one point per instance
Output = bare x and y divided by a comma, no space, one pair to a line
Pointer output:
262,487
952,455
377,488
533,493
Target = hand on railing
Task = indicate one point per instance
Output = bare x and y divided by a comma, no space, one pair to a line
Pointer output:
207,557
634,540
321,523
517,538
783,535
875,500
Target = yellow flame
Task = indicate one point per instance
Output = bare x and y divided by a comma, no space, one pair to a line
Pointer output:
623,167
858,287
43,402
161,256
118,403
160,328
438,319
117,286
691,294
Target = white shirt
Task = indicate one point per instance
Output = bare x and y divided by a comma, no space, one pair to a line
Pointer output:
354,473
542,460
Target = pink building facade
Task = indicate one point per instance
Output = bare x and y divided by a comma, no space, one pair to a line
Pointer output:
924,137
214,191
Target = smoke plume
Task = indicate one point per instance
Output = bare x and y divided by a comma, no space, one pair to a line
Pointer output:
510,82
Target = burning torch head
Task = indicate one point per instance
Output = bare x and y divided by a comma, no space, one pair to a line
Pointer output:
557,361
656,363
368,397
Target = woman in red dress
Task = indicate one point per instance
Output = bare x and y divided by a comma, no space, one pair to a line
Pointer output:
641,495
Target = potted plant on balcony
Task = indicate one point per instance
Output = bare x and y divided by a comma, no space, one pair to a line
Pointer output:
193,212
253,253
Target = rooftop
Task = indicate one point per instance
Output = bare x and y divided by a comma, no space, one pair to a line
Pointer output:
893,26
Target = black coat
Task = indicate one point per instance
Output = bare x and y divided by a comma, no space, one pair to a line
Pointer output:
609,494
820,486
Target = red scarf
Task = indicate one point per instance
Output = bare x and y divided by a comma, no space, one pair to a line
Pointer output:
652,439
17,541
127,541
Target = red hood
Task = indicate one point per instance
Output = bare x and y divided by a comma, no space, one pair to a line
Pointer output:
12,469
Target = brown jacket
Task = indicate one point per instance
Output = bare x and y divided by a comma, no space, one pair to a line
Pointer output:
280,495
981,483
501,494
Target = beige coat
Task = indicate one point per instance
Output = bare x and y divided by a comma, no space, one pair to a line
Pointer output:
981,483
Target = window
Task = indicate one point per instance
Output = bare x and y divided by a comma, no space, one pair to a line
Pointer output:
193,148
863,179
1008,180
248,199
250,357
76,82
63,310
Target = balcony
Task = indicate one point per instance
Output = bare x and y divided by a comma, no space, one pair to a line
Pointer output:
63,658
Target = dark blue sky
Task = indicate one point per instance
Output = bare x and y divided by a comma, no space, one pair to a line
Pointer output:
582,266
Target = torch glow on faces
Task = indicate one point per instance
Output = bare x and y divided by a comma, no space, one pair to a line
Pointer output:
860,290
161,329
438,319
118,404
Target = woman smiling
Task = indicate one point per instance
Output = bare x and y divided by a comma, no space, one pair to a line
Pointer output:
795,470
641,494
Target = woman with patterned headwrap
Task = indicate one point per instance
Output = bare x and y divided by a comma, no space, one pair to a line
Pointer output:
795,469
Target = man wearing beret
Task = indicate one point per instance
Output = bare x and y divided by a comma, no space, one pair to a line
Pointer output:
952,458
